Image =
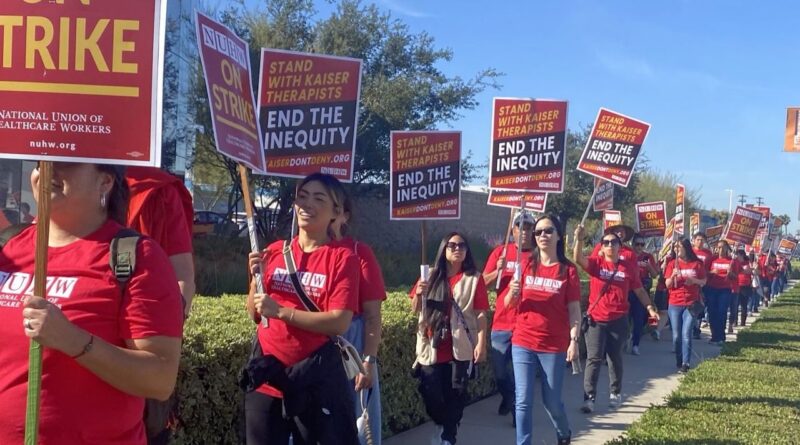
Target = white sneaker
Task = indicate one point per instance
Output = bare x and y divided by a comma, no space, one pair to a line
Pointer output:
588,406
615,400
446,442
635,350
437,435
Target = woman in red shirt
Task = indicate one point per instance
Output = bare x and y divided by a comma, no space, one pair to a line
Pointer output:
686,274
106,348
451,333
546,327
744,281
302,388
719,294
611,280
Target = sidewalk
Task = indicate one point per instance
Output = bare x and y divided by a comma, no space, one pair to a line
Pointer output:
648,379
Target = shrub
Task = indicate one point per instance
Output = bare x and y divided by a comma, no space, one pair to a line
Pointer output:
217,342
749,394
221,265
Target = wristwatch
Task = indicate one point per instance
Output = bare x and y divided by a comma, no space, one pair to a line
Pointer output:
371,359
575,339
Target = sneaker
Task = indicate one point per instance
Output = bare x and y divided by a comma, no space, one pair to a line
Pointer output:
505,407
565,441
615,400
588,406
684,368
635,350
437,435
704,325
447,442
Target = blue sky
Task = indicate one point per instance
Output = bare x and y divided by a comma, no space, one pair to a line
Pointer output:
713,78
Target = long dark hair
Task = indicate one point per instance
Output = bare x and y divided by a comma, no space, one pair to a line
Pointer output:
687,247
536,256
117,199
439,291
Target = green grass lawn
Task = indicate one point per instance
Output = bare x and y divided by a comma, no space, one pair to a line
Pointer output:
748,395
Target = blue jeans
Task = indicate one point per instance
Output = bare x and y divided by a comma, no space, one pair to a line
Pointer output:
500,356
355,335
682,323
776,285
551,366
717,303
639,316
755,300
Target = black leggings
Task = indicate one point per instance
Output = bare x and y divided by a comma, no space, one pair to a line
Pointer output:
444,400
265,422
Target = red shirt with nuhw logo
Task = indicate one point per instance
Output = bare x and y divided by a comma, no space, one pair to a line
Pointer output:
77,406
681,293
542,322
613,304
329,276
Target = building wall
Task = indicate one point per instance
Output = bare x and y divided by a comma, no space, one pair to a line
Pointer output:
479,221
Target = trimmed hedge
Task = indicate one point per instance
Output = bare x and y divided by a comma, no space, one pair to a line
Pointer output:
747,395
217,341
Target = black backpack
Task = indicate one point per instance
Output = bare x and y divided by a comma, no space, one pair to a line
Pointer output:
122,260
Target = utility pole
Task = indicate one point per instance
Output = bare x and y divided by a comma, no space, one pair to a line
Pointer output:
730,201
760,200
742,200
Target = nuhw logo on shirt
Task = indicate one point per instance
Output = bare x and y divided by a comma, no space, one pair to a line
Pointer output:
688,273
722,267
543,284
314,281
510,266
21,283
606,274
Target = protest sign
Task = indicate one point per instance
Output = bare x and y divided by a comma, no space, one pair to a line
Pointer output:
787,247
603,195
613,147
743,226
82,81
535,202
669,235
714,234
529,141
694,223
425,176
791,139
226,64
651,218
680,192
308,111
611,218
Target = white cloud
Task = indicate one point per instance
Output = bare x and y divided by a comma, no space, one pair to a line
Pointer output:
396,6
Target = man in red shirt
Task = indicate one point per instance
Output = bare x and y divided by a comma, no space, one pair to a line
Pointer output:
504,317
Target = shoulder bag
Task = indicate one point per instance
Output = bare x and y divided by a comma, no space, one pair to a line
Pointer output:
351,359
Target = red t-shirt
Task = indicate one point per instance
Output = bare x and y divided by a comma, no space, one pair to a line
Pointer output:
705,256
77,407
444,353
542,323
503,316
684,294
614,304
370,283
718,275
626,254
161,208
329,276
744,278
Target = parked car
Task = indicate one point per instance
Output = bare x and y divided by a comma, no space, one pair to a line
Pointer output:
208,222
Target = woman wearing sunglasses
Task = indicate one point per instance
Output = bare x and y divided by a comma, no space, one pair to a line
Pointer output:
547,298
686,274
451,334
720,291
611,280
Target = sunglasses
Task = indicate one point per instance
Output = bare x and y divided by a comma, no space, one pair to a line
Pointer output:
546,231
457,246
610,242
